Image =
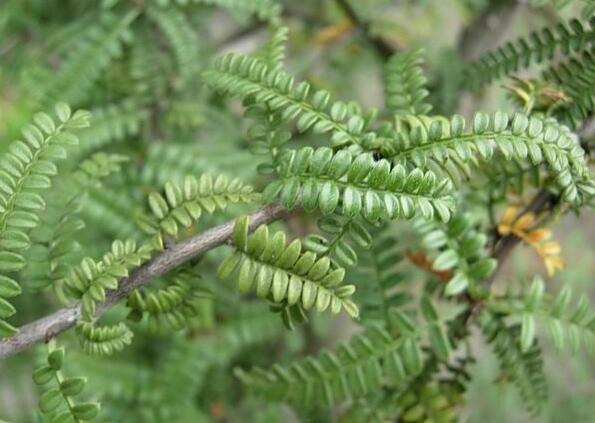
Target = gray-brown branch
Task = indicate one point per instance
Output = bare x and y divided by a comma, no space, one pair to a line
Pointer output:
172,257
544,200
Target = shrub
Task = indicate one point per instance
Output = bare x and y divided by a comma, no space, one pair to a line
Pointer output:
199,256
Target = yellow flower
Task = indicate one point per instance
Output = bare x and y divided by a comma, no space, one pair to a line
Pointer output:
536,95
524,222
549,248
510,223
553,263
505,226
538,235
332,33
538,238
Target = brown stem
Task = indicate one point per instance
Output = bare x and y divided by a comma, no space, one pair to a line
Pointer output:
49,326
487,29
544,200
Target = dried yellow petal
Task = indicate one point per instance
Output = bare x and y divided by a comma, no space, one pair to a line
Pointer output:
539,235
524,222
508,216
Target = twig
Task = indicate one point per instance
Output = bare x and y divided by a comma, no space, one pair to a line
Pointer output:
237,36
384,49
63,319
487,29
586,132
8,45
484,33
544,200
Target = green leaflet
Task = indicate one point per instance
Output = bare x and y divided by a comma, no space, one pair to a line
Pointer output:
567,325
114,211
183,203
405,84
267,136
55,239
112,123
99,165
266,10
435,401
172,307
369,362
524,369
273,51
103,340
342,233
283,273
140,65
57,402
180,36
446,147
356,369
576,78
382,278
588,6
184,367
322,180
174,161
460,249
90,279
89,56
26,169
510,176
539,46
437,336
248,77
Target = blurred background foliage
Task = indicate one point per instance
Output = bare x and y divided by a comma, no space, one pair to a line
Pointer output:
142,82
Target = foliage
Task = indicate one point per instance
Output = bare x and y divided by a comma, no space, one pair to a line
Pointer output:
580,90
103,340
240,138
381,275
442,144
460,251
184,203
405,85
28,168
539,46
57,401
171,307
90,279
522,364
361,184
343,232
249,77
88,57
354,370
567,324
284,274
